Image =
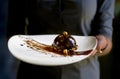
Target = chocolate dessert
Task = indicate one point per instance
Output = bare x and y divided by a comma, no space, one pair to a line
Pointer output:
64,43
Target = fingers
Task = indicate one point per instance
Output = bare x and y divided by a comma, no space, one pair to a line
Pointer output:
93,52
101,43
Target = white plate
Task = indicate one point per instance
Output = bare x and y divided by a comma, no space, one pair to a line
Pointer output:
31,56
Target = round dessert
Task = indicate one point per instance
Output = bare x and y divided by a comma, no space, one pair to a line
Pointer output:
64,43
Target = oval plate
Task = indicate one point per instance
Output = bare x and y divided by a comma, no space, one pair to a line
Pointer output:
19,50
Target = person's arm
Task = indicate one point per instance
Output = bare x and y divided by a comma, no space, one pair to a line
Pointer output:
102,26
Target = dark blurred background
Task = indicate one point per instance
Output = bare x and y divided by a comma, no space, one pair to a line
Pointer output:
110,65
